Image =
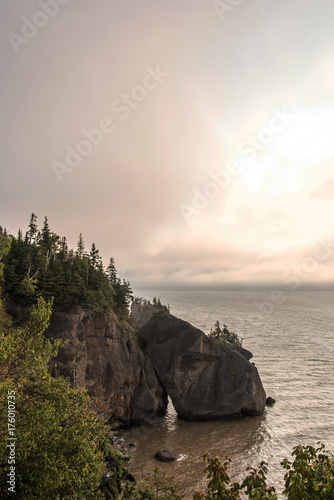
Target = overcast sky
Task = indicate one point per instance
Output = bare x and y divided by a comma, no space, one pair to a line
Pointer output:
214,160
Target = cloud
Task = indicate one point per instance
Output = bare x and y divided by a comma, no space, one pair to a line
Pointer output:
324,191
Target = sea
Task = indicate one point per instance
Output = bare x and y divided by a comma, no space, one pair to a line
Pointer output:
291,336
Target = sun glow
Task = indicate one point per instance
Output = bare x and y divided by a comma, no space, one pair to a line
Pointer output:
279,165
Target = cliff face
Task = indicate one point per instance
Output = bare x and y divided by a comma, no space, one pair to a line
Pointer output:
205,381
141,314
103,356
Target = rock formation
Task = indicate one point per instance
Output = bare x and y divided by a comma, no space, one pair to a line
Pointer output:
204,380
103,356
141,314
130,377
167,456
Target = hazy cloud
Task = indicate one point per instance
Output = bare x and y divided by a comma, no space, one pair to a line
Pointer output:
226,79
324,191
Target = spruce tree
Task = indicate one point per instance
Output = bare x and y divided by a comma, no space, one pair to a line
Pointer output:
46,236
112,271
32,233
80,247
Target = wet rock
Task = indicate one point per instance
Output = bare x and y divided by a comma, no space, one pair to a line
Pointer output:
270,401
166,456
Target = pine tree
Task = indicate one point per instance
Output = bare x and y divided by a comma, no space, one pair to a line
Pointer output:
46,236
32,233
94,256
80,247
63,247
112,271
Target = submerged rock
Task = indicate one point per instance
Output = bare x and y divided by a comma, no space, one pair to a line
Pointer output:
166,456
204,380
270,401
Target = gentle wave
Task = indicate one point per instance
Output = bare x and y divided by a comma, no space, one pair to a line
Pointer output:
293,351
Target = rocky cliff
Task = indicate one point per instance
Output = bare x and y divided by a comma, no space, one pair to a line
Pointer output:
204,380
141,314
131,376
103,356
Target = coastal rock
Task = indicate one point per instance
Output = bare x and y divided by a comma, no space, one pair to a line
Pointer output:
241,350
166,456
270,401
103,356
204,380
141,314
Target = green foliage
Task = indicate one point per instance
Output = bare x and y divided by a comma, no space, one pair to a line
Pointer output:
41,264
255,484
59,439
5,243
156,302
116,483
160,487
224,335
219,487
311,475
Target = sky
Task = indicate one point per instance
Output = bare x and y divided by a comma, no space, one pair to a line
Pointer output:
190,140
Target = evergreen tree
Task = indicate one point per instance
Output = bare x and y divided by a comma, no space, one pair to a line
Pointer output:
80,247
5,244
46,237
42,264
63,247
112,272
32,233
94,257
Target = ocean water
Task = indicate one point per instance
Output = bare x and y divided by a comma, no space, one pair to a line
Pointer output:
291,336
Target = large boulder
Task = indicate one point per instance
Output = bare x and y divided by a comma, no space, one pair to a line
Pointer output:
141,314
204,380
103,356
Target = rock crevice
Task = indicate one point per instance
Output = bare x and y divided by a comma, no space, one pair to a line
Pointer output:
102,355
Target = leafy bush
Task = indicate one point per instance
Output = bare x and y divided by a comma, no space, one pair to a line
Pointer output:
310,476
224,335
59,446
160,487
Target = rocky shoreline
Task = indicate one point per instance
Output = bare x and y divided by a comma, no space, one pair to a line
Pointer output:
132,368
